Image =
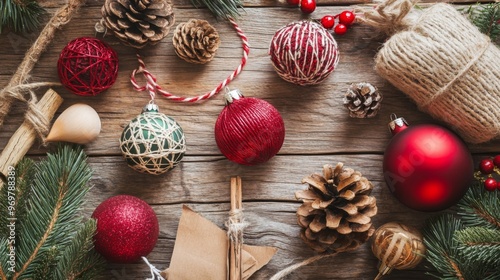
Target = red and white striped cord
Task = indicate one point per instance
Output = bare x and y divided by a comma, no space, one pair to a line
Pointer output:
152,86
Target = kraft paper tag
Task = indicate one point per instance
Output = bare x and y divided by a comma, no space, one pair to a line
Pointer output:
201,249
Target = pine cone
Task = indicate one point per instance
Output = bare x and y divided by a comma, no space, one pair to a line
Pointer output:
138,22
337,208
196,41
363,100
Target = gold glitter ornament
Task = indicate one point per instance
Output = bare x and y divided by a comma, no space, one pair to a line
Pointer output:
397,246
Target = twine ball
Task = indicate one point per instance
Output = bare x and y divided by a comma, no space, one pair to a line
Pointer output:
153,142
87,66
249,131
127,229
303,53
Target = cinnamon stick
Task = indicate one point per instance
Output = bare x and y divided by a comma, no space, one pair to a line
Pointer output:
235,234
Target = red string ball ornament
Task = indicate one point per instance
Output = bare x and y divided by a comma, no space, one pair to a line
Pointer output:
249,131
303,53
87,66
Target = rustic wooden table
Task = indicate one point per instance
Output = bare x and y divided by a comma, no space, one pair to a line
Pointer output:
318,131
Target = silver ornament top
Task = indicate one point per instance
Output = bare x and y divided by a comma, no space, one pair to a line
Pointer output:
150,107
232,95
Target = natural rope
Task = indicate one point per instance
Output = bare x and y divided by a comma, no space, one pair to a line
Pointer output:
292,268
389,16
17,89
152,86
444,63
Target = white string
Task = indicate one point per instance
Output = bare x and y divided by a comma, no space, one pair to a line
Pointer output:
155,272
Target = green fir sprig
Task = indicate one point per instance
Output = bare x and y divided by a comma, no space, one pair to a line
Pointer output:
486,17
222,9
52,241
466,246
20,16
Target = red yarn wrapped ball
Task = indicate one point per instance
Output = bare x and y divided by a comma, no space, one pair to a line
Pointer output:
127,229
87,66
249,131
303,53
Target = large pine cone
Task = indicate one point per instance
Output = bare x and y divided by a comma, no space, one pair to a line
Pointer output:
196,41
138,22
363,100
337,209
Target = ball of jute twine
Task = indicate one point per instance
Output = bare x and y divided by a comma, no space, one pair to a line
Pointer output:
444,63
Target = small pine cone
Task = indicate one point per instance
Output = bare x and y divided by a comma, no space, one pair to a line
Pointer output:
138,22
337,209
196,41
363,100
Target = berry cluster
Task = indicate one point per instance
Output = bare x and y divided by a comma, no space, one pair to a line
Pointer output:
345,19
487,167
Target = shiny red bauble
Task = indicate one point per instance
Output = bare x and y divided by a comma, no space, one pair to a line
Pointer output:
427,167
127,229
307,6
249,131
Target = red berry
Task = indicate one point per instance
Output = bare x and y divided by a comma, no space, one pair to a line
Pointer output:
498,185
490,184
340,29
293,2
496,161
486,166
307,6
347,18
328,22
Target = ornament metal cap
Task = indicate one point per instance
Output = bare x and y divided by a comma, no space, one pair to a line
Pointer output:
232,95
397,124
151,108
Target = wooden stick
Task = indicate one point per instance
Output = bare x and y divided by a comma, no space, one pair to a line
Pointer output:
60,18
25,135
235,258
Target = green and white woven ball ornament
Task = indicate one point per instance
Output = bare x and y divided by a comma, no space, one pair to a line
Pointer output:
153,142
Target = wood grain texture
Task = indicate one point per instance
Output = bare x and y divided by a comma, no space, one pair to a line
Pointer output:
318,131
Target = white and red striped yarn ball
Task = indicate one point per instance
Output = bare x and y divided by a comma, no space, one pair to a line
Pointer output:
303,53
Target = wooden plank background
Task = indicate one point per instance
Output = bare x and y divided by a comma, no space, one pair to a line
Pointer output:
318,131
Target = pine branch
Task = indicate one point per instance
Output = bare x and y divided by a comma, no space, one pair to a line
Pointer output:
49,262
487,18
20,15
79,260
480,207
59,186
442,248
222,9
481,245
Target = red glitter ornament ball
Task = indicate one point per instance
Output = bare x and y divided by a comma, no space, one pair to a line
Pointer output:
427,167
127,229
87,66
249,131
303,53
